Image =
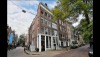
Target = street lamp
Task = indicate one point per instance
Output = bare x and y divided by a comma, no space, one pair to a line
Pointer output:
24,11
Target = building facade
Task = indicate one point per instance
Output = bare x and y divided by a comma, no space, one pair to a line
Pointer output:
15,36
45,34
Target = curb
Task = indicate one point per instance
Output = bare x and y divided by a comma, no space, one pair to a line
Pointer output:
30,53
33,53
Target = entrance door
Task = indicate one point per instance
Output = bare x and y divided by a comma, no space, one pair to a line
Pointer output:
42,43
61,44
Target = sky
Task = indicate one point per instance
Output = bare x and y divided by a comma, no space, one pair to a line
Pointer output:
20,21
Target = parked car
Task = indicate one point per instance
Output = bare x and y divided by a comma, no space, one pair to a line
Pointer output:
74,45
90,51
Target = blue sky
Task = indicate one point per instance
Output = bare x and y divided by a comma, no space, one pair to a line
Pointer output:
20,21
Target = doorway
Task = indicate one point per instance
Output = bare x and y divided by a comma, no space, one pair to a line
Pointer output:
42,43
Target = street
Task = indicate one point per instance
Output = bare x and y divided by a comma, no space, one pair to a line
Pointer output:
79,52
19,52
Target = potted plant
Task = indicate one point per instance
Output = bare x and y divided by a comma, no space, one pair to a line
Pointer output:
37,49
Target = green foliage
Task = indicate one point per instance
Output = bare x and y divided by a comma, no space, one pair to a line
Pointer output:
87,30
21,40
57,14
71,9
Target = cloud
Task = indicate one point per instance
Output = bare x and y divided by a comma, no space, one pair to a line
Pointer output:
79,19
18,20
32,2
52,5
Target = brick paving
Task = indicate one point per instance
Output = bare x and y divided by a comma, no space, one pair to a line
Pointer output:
79,52
47,52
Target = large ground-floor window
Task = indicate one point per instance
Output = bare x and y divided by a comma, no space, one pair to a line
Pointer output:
50,41
46,41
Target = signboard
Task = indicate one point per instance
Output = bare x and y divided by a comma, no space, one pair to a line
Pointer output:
11,38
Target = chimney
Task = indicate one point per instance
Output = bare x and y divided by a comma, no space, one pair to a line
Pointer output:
46,4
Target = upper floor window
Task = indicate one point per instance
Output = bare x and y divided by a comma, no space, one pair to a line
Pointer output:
45,14
52,32
46,23
41,12
49,23
42,21
59,21
55,32
42,30
46,30
54,26
49,16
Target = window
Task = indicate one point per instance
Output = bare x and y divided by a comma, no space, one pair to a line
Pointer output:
49,23
41,12
50,41
60,35
55,32
56,40
46,22
45,14
59,21
60,28
52,32
46,41
54,26
42,30
46,30
49,31
49,16
53,39
42,21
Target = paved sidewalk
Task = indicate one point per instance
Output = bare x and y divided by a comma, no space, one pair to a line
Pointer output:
49,52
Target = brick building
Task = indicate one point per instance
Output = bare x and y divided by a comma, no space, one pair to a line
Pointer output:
15,36
48,35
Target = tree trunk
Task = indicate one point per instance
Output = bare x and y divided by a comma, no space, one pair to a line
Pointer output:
87,17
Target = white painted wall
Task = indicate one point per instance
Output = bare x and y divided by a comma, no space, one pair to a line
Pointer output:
32,46
54,25
64,43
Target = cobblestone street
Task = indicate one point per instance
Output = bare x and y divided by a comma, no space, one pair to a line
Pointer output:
79,52
19,52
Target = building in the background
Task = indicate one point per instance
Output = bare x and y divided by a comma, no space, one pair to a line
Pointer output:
47,35
77,37
26,40
70,33
15,36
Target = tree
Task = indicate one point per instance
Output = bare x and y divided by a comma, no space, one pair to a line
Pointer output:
71,9
86,30
21,40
